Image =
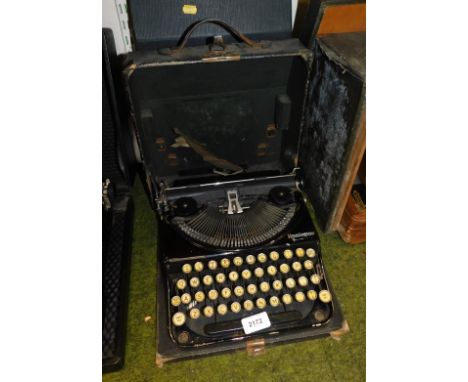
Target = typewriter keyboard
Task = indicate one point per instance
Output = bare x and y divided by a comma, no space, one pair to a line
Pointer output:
209,297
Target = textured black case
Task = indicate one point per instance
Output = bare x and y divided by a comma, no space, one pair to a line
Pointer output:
160,23
116,221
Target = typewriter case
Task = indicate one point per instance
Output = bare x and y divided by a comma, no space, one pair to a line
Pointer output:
218,128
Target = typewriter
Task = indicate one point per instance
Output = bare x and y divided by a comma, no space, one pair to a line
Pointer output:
223,131
240,248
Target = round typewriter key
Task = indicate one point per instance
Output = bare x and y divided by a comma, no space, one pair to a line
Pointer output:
194,282
199,296
222,309
198,266
181,284
297,266
250,259
212,264
277,285
239,291
299,296
302,281
325,296
259,272
287,299
300,252
225,263
186,268
290,283
175,301
178,319
261,303
237,261
271,270
274,256
262,258
246,274
312,295
315,279
284,268
220,278
248,305
252,289
274,301
310,252
194,313
185,298
233,276
236,307
226,292
208,311
308,264
288,254
264,286
207,280
213,294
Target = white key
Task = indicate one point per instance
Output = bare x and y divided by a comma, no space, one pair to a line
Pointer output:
233,276
207,280
222,309
264,286
181,284
198,266
287,299
199,296
277,285
220,278
312,295
315,279
178,319
308,264
175,301
297,266
262,258
252,289
288,254
185,298
226,292
274,301
250,259
239,291
302,281
213,294
274,256
186,268
290,283
284,268
259,272
212,264
237,261
225,263
194,282
300,252
194,313
261,303
208,311
325,296
310,252
248,305
246,274
271,270
236,307
299,296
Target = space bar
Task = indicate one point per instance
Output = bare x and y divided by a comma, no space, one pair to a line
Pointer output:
236,325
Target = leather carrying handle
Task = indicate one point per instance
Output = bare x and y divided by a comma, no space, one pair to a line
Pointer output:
240,36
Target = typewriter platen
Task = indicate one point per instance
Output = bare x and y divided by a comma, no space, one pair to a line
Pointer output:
239,248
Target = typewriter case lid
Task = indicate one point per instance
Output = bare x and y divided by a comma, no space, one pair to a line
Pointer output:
218,112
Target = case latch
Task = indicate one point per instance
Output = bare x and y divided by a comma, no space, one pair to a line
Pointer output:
255,347
107,194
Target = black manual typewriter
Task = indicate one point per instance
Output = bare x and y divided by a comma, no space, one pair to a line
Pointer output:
221,131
